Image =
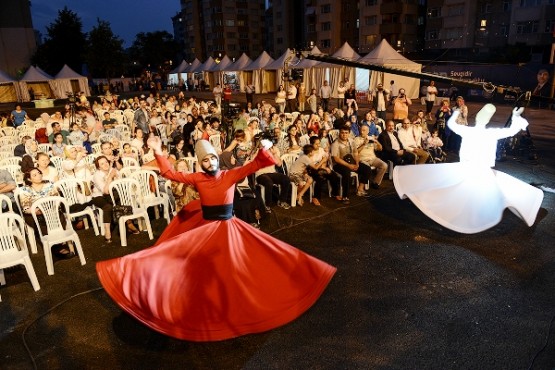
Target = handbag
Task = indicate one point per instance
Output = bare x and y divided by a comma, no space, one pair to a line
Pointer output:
349,158
119,211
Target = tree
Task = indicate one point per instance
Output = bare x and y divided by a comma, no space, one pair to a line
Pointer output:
65,44
105,56
154,49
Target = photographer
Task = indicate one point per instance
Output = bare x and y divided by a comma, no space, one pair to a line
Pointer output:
401,106
112,155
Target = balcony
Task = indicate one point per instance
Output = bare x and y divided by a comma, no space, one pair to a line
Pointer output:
391,28
391,8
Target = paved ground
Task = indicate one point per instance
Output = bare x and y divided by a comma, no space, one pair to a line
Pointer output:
408,294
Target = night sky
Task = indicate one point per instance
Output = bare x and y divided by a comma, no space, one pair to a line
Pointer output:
126,17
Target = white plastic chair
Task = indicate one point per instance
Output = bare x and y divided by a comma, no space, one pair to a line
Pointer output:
333,134
127,171
128,162
96,147
129,194
13,248
8,148
118,115
44,148
288,159
57,162
10,161
8,140
15,171
29,231
56,233
152,197
216,142
72,190
191,163
9,131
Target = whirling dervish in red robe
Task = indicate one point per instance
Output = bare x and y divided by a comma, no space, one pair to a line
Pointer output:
211,276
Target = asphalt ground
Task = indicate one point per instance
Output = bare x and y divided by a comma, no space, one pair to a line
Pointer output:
408,293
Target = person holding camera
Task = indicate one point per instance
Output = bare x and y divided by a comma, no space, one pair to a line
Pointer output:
111,154
367,145
401,106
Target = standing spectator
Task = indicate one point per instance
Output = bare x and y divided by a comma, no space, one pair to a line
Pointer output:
341,95
462,119
431,93
325,94
291,98
249,92
312,101
227,98
280,98
217,92
401,106
142,117
442,116
301,97
18,116
380,101
351,99
393,91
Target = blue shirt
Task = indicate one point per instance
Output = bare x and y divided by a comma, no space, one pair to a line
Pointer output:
18,117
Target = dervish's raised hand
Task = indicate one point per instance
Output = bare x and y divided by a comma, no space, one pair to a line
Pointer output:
155,143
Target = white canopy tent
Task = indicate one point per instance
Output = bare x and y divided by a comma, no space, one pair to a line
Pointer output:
307,65
385,55
67,80
343,73
218,70
238,67
8,89
205,68
263,80
173,76
278,66
42,84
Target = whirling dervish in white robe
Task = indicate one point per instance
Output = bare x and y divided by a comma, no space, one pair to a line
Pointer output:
470,196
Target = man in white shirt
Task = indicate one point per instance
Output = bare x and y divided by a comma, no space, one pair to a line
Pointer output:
217,91
367,146
431,93
325,94
291,98
408,139
381,98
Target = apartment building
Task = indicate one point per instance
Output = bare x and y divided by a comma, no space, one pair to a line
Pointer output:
17,37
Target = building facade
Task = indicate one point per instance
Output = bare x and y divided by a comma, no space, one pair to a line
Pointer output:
17,37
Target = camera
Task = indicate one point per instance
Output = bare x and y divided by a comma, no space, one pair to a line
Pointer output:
265,135
115,152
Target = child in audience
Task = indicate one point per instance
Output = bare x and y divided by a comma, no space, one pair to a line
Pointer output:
299,174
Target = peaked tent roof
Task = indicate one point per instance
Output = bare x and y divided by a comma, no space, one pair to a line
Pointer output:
192,66
181,67
278,63
4,78
239,64
261,62
67,72
347,52
385,54
34,74
220,66
206,66
308,63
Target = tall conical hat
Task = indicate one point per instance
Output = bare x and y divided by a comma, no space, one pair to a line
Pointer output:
203,148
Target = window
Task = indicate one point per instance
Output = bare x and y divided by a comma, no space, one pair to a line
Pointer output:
325,9
485,8
326,26
504,31
241,23
455,10
325,43
550,26
370,21
232,47
279,28
434,12
420,21
311,28
229,22
527,27
243,35
371,2
244,48
390,18
230,35
483,23
409,19
279,40
453,33
371,40
506,5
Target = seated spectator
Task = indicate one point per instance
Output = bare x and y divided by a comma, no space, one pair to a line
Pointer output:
410,137
292,140
19,150
268,177
107,122
435,146
367,146
36,188
240,147
58,146
320,172
178,150
111,154
41,136
298,172
393,149
57,128
129,153
75,164
49,172
76,136
7,185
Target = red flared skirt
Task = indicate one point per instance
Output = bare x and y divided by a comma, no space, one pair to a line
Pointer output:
214,280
